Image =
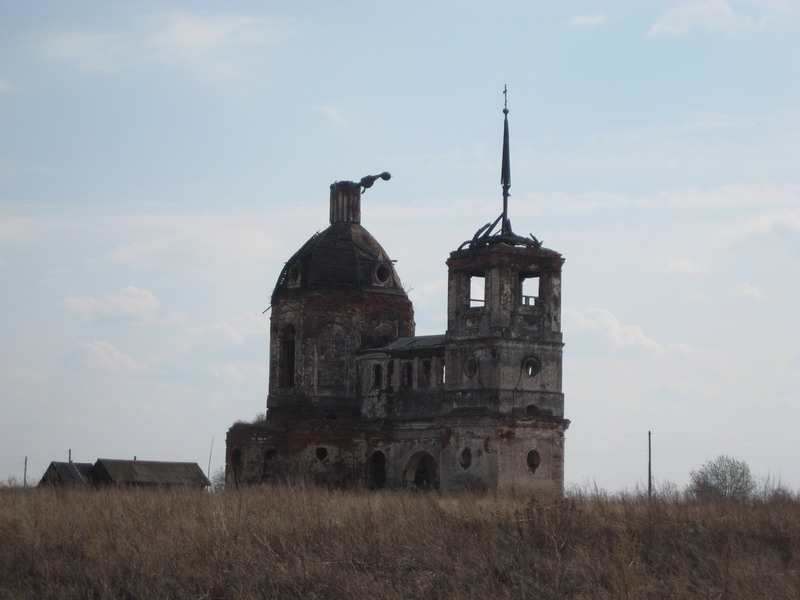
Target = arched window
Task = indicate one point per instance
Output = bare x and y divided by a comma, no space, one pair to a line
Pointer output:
465,458
407,374
377,376
236,466
533,460
470,367
287,356
425,373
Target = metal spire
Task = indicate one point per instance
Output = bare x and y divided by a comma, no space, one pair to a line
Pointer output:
485,236
505,171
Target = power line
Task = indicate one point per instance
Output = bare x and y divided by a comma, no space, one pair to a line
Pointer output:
748,455
616,437
606,453
708,437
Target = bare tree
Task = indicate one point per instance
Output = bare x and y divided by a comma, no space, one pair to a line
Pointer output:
218,480
723,477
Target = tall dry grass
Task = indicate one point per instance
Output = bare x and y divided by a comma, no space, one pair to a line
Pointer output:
306,542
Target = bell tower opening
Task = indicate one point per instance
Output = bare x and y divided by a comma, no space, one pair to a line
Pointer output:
529,290
477,291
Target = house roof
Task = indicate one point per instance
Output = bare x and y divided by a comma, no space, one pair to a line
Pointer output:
416,342
144,472
420,345
67,473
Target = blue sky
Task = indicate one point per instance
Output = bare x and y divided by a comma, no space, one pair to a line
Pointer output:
159,161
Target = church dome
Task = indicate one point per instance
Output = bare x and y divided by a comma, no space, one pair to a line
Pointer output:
337,295
343,257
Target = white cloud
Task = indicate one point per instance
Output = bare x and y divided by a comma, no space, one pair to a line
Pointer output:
230,240
244,372
195,34
708,15
81,305
733,195
772,224
88,51
684,266
709,121
228,371
16,230
104,356
235,329
562,202
721,197
588,20
621,337
333,116
421,295
698,299
746,290
215,47
130,303
176,318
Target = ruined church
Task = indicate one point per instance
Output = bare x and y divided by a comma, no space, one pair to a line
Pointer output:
356,398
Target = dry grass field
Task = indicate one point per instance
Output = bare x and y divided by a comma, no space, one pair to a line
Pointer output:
306,542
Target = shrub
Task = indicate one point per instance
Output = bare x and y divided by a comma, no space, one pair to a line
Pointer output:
723,477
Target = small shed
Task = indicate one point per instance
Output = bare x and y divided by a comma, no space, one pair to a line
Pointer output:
147,473
67,473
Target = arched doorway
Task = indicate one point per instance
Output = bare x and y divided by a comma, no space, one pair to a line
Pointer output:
376,470
422,472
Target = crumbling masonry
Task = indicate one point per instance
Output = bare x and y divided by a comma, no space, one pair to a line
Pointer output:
355,398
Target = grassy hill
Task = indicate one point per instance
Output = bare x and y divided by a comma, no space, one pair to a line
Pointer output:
306,542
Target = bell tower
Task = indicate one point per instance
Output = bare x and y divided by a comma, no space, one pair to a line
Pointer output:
503,346
504,325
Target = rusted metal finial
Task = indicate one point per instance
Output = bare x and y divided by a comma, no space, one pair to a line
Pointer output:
368,180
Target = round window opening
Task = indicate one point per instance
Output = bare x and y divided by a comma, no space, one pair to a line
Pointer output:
466,458
294,273
383,273
470,367
322,453
533,459
532,366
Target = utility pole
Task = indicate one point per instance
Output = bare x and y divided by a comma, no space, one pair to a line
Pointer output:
649,465
210,452
25,474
